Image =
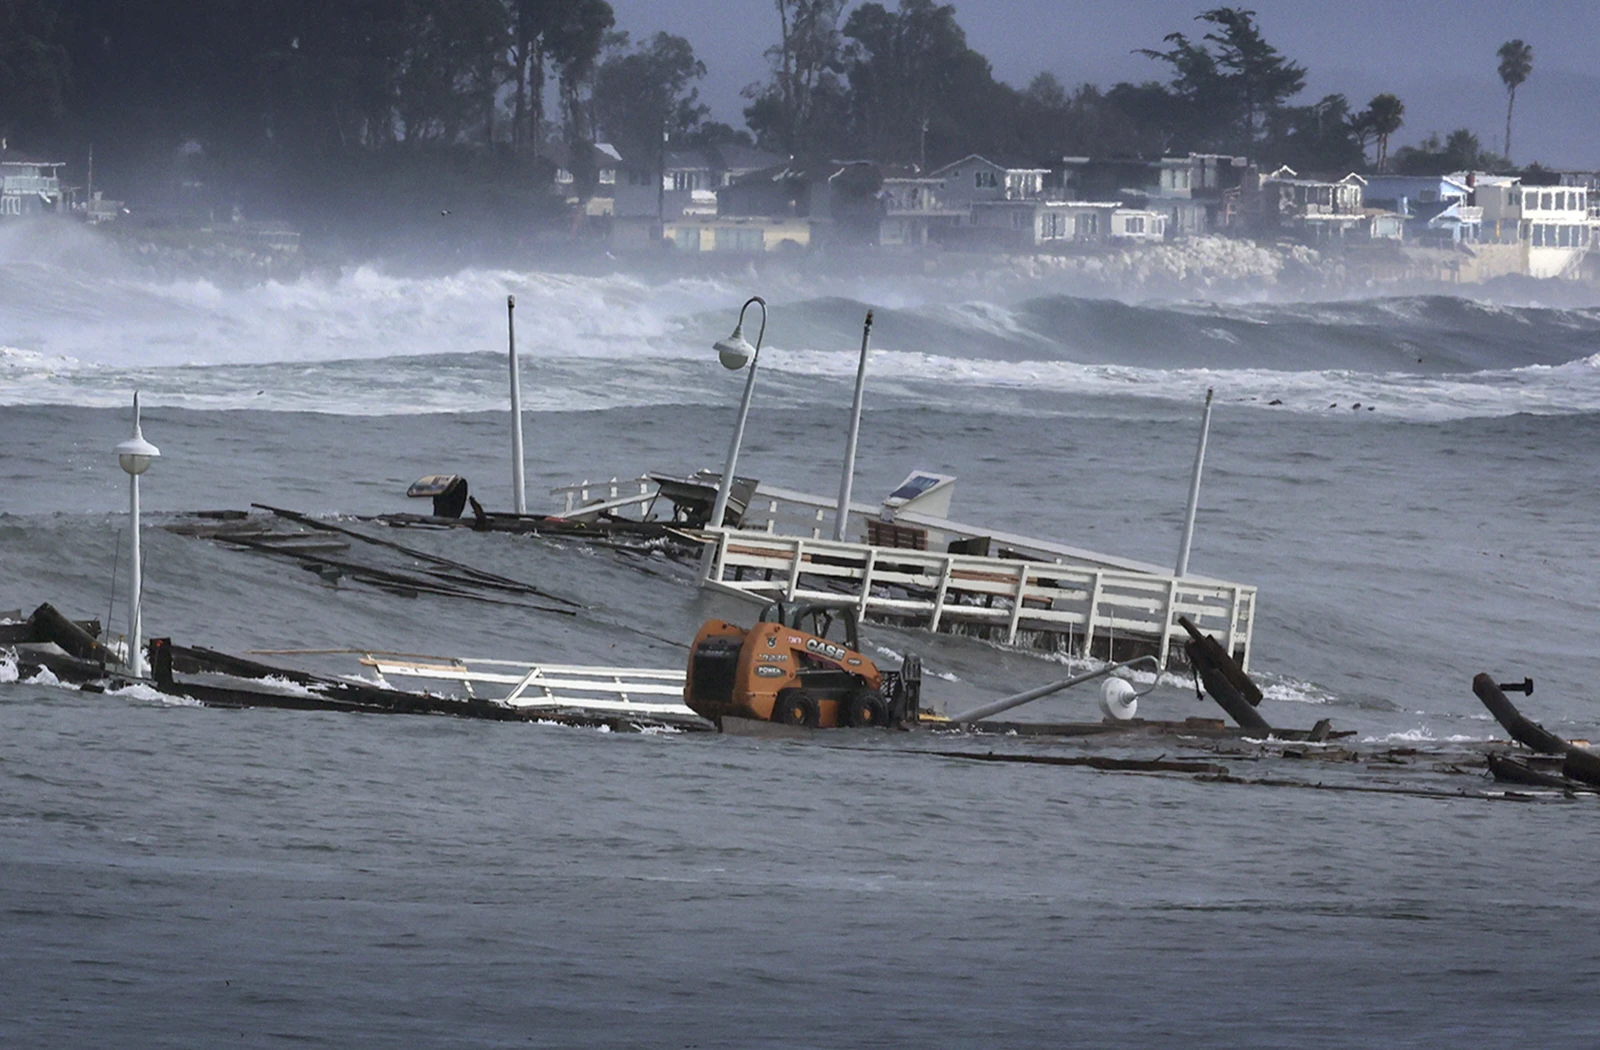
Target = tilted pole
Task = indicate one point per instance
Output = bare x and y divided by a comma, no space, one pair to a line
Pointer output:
1194,490
842,516
1018,699
518,475
719,508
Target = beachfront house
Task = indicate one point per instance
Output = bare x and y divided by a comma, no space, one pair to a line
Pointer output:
1167,185
974,179
913,209
1313,210
685,182
1549,225
1435,209
28,186
1031,224
722,234
847,202
599,158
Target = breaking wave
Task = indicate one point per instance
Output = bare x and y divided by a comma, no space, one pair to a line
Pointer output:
364,342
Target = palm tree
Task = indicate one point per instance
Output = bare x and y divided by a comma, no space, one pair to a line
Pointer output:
1384,115
1516,62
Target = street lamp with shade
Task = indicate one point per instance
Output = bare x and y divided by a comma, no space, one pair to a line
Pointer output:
135,455
735,352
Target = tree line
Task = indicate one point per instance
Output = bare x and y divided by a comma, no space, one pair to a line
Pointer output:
269,87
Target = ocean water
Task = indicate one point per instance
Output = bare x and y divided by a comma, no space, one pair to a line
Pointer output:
172,875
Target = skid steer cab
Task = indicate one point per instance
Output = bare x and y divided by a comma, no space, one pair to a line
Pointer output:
800,665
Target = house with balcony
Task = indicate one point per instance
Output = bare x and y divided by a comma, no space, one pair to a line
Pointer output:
28,186
914,209
974,179
1313,210
1555,229
1186,190
1538,230
1434,209
1028,225
685,182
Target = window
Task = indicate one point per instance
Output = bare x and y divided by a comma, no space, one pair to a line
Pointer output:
1087,225
1135,224
686,238
985,180
739,239
1547,201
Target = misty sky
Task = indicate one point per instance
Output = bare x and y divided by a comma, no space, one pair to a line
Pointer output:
1439,57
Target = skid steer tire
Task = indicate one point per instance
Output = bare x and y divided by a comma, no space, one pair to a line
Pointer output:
796,707
866,709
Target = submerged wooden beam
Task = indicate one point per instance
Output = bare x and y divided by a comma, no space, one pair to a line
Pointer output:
1577,764
1224,682
1100,762
50,626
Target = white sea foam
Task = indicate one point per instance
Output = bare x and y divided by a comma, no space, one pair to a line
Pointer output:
1424,735
8,668
45,676
141,691
1292,691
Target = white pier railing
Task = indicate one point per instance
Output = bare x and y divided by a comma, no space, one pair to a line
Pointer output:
1096,601
613,690
1090,605
590,497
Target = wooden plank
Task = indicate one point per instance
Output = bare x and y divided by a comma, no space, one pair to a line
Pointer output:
940,595
866,582
794,569
1017,602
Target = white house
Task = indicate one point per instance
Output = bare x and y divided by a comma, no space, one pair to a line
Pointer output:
28,186
1138,224
1550,224
1043,223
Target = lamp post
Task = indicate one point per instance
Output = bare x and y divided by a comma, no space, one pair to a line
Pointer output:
135,455
841,516
1194,490
518,483
735,352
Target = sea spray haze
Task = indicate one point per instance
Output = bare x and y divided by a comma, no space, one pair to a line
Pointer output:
182,876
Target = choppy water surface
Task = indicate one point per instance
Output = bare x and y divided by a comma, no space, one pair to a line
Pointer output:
182,876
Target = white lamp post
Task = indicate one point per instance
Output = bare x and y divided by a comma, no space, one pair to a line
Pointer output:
841,516
135,455
519,496
735,352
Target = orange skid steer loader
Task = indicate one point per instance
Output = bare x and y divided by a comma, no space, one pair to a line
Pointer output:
799,665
